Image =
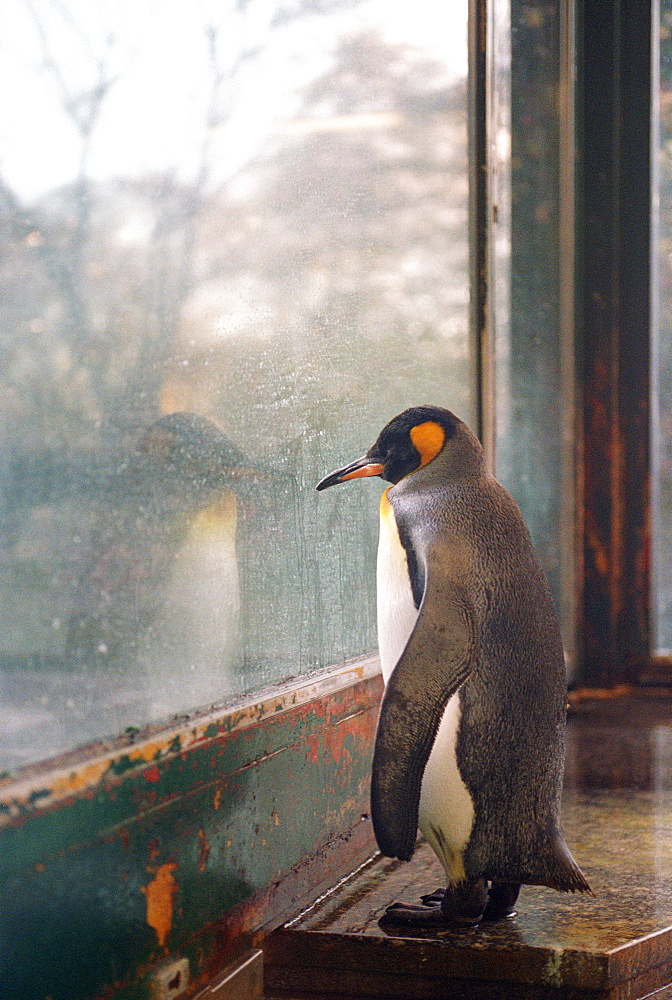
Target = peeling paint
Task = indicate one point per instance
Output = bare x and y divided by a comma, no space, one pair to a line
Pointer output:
159,894
33,792
215,851
313,751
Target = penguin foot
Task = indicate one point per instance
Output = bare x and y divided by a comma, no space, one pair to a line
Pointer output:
465,902
411,915
502,897
462,905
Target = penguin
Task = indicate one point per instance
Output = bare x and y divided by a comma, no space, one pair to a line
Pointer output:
470,740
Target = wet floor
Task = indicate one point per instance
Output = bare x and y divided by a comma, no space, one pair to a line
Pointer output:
617,819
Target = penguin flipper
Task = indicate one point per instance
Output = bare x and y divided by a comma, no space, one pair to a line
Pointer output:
437,660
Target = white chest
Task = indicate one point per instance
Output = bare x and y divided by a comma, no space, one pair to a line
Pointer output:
446,813
397,614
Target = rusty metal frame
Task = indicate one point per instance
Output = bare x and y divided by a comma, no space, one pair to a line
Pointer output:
614,319
480,206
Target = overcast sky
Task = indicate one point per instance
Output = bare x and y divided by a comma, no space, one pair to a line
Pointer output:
152,117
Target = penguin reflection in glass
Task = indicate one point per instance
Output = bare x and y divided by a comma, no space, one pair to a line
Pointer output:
470,741
160,593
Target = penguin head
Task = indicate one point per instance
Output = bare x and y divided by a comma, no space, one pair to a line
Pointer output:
193,447
411,441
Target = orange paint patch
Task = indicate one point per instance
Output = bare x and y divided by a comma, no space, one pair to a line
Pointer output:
203,851
159,894
428,439
313,754
334,744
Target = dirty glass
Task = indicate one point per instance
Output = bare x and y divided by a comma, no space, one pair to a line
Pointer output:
234,244
662,332
533,364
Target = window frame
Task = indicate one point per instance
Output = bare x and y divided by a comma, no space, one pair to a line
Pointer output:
614,329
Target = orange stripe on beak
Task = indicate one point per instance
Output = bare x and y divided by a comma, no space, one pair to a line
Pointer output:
374,469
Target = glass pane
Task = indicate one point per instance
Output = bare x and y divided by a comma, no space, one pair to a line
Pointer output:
234,245
531,325
662,327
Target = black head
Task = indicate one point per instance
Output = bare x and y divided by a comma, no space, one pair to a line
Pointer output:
410,441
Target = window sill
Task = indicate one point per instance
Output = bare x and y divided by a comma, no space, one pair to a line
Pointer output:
187,842
617,812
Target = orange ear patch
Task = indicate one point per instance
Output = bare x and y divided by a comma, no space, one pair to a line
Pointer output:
428,439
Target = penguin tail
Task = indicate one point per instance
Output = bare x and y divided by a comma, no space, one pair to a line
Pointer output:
564,873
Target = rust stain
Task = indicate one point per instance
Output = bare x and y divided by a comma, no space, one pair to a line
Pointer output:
152,773
599,550
217,799
76,781
159,894
203,851
335,741
313,753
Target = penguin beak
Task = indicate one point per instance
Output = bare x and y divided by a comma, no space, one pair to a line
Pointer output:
365,466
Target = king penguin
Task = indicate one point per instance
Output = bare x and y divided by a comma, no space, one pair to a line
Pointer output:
470,738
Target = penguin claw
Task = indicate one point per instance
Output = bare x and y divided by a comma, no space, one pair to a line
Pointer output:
433,897
412,915
408,906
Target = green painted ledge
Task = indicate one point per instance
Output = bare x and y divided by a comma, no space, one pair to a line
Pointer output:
189,841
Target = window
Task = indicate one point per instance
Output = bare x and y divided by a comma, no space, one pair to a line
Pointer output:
219,283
